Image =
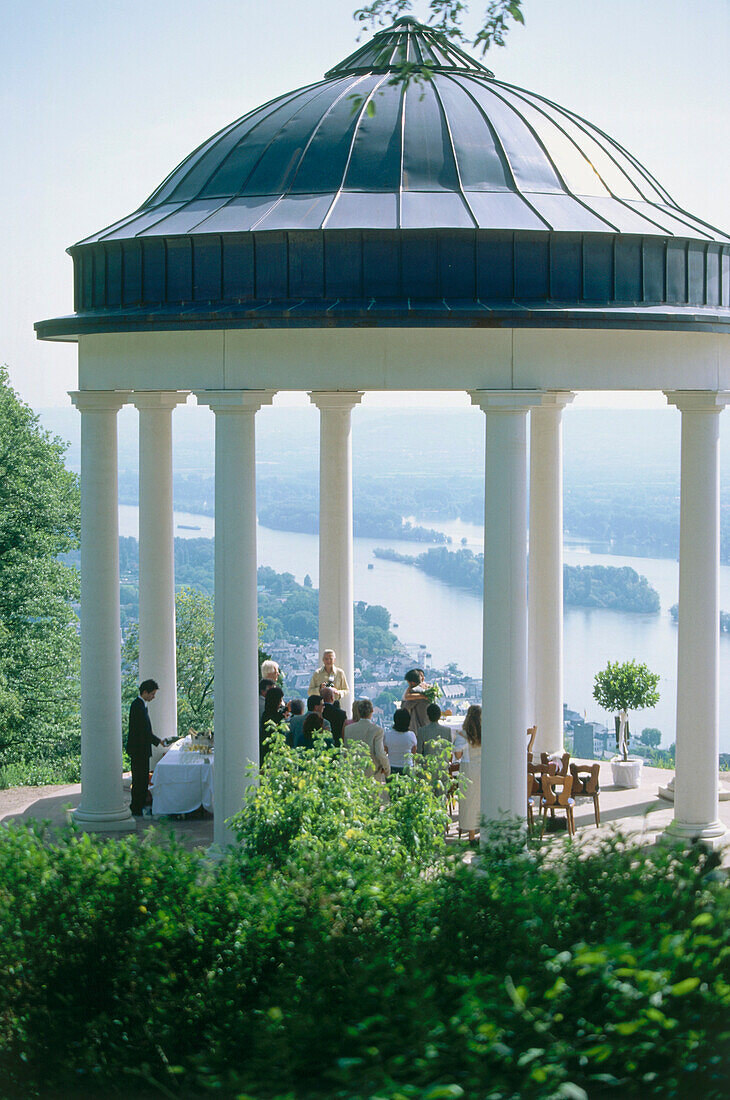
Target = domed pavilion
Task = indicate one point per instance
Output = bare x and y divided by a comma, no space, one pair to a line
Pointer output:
453,232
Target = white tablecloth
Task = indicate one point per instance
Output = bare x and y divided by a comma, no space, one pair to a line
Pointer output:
454,722
182,781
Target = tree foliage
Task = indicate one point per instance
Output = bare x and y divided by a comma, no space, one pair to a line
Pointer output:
194,626
651,736
194,651
39,644
194,615
448,17
627,686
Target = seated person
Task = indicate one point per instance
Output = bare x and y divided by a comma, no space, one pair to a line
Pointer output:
314,706
365,732
429,736
275,711
333,713
313,723
296,720
264,685
400,741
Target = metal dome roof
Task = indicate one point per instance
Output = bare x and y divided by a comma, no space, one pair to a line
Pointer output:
452,199
458,149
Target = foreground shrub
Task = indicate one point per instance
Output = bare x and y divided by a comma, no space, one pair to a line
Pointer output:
302,968
323,803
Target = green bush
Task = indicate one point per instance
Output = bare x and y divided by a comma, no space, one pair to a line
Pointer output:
38,773
311,963
323,803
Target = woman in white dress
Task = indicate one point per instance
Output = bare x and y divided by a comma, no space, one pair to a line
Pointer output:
468,751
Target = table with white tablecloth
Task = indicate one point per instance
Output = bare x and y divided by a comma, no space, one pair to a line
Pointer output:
182,780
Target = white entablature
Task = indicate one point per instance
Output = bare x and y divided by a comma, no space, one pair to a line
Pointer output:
406,359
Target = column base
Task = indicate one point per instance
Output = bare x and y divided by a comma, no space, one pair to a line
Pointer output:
713,834
723,793
116,821
214,853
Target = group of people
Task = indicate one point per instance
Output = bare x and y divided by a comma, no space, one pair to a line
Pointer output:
416,728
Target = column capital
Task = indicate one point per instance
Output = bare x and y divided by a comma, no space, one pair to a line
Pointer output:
520,401
709,401
556,399
99,400
158,399
235,401
336,399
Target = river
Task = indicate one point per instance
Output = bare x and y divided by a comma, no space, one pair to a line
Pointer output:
449,620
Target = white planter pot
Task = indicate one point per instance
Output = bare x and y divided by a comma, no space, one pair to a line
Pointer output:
626,773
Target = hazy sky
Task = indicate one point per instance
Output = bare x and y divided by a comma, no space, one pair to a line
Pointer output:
98,102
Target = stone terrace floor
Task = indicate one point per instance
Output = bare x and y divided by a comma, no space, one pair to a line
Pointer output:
639,813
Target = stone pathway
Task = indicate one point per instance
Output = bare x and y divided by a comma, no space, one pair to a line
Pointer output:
639,813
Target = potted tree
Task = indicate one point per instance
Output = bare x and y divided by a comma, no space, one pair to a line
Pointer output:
621,688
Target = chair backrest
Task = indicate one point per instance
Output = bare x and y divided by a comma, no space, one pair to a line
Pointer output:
531,735
585,778
562,762
535,773
556,789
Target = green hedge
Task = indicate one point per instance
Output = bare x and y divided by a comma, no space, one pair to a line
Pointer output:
300,968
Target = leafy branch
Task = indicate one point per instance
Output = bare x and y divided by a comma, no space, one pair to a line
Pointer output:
447,16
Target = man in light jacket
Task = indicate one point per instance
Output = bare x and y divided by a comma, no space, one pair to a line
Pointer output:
329,675
370,735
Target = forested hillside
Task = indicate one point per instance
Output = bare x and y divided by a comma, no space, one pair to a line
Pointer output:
288,609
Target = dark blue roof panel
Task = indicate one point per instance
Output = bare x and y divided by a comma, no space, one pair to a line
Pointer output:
359,200
350,149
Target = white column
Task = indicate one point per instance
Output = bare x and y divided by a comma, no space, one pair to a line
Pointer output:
104,806
545,575
157,658
336,621
236,715
504,697
698,643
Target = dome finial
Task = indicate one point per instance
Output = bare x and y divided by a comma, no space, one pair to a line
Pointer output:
408,42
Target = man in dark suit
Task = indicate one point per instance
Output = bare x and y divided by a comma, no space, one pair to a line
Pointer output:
139,744
333,712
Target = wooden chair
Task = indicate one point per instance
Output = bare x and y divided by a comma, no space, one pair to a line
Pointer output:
585,782
530,804
562,762
556,796
531,735
535,773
